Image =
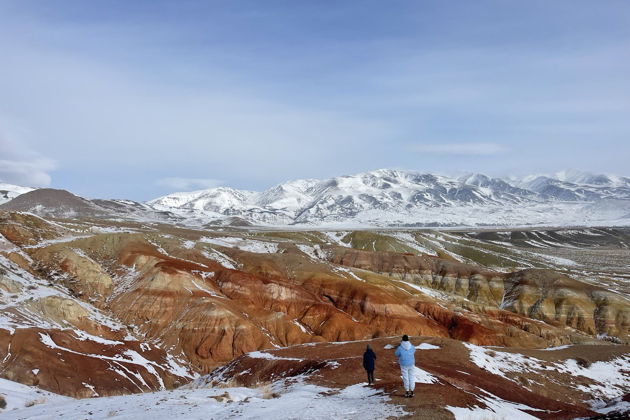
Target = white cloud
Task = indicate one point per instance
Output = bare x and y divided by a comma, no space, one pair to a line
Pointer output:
186,184
462,149
136,123
19,164
32,173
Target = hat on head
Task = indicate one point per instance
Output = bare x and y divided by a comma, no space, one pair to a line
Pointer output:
405,337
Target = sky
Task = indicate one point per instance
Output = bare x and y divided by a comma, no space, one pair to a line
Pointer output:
137,99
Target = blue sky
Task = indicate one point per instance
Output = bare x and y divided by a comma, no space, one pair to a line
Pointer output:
137,99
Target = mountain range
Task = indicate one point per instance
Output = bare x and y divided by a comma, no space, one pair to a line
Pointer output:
378,198
392,197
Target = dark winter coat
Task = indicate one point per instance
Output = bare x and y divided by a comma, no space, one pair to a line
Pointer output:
368,359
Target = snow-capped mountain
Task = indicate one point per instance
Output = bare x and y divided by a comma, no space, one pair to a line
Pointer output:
578,186
392,197
9,192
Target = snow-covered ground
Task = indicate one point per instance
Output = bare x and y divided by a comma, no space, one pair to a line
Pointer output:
280,400
611,379
18,396
496,408
244,244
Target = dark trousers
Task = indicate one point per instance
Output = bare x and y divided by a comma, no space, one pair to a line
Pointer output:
370,374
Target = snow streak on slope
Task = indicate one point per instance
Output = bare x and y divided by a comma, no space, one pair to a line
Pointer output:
610,378
249,245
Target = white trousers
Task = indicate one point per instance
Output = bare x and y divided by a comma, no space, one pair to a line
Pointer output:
408,377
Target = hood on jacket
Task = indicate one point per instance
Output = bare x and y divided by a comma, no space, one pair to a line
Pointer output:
405,345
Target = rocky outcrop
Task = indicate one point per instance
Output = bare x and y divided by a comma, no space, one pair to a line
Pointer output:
559,300
81,365
89,277
179,309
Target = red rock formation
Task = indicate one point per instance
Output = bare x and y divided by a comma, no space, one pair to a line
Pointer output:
540,294
64,363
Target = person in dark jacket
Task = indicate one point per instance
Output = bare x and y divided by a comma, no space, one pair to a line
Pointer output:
368,363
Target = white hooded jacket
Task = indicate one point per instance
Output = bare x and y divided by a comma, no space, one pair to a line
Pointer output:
405,353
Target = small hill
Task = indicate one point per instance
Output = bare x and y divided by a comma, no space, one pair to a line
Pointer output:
55,203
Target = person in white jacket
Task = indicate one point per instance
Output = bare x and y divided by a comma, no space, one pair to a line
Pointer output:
406,359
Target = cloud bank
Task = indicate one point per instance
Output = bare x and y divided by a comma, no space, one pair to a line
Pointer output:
188,184
460,149
19,164
33,173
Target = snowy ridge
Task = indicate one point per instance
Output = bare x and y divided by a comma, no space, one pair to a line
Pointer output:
9,192
394,198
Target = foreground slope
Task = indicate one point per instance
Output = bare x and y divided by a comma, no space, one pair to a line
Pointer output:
454,378
279,400
326,380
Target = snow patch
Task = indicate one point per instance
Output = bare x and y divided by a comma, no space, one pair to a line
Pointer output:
423,377
495,408
221,258
17,395
82,335
264,355
244,244
427,346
